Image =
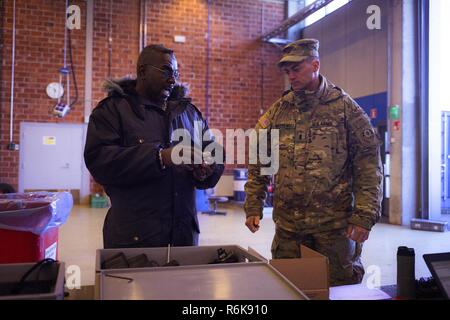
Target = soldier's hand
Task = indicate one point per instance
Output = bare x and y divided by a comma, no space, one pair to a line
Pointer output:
252,223
357,233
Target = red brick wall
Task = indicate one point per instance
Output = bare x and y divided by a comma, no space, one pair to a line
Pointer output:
122,18
124,45
38,56
236,55
235,58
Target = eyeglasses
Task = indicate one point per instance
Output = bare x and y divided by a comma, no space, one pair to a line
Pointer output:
167,73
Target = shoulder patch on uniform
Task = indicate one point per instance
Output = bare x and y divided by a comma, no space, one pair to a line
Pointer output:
368,134
264,122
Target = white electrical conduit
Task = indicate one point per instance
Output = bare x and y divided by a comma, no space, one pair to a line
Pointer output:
66,70
143,25
11,110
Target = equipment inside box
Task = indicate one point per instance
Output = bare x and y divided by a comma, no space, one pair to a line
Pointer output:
225,257
427,288
36,280
120,261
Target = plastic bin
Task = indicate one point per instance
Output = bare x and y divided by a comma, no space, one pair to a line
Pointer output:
98,201
252,281
20,246
201,200
186,256
240,179
29,225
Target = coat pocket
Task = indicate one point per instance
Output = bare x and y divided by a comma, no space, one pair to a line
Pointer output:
138,233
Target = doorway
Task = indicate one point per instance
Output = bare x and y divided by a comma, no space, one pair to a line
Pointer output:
51,158
439,111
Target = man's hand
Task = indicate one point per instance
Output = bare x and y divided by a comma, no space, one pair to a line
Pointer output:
203,171
357,233
252,223
168,158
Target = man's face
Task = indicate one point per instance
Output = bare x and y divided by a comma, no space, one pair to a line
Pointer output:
301,74
160,76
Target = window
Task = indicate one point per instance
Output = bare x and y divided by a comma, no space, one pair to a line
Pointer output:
322,13
438,122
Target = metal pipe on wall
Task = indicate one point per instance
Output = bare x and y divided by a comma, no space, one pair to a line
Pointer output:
208,52
110,33
13,57
387,137
261,110
88,60
85,190
143,25
2,45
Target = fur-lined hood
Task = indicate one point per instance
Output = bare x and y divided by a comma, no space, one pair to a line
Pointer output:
127,86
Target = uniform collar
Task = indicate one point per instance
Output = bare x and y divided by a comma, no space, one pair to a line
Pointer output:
326,93
307,94
146,103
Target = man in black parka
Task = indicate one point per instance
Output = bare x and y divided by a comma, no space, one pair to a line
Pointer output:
129,152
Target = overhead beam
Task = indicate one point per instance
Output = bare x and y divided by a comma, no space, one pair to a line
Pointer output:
294,19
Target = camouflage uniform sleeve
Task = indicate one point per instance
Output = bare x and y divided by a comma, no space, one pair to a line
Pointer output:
364,147
256,186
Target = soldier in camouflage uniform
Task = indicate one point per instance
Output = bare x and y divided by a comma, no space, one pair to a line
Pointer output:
328,188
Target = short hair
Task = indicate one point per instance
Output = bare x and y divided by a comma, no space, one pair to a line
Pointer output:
147,53
311,59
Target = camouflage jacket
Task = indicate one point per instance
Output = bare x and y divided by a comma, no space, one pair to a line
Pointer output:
330,171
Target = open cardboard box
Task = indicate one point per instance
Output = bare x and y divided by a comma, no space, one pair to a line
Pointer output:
310,273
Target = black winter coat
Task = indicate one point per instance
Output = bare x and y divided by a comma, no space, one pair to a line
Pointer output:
150,207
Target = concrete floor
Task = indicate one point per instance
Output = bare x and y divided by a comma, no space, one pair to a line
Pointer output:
81,236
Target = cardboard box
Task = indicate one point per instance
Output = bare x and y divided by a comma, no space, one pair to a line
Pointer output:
310,273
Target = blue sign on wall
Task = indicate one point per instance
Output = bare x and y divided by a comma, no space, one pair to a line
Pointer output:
376,101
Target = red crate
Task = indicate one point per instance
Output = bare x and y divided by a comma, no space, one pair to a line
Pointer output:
21,246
